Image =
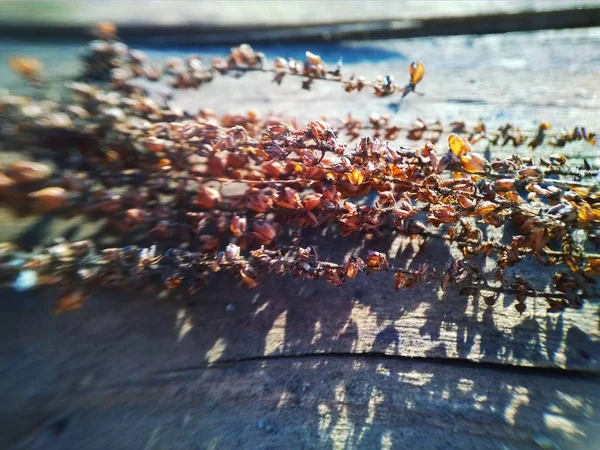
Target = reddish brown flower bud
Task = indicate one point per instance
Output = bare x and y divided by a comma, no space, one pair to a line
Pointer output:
349,224
263,232
258,201
273,169
376,260
311,201
465,202
207,198
237,160
249,276
216,166
109,203
334,276
238,225
484,208
443,213
353,266
505,184
330,193
288,199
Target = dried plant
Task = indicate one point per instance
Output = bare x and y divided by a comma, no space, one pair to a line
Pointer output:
235,193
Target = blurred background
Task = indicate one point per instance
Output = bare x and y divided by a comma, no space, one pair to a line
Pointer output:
259,13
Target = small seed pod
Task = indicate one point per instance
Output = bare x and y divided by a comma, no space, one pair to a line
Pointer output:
28,171
49,199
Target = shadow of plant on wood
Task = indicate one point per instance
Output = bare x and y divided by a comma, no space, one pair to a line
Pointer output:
302,350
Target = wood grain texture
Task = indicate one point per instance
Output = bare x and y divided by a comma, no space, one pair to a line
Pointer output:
318,402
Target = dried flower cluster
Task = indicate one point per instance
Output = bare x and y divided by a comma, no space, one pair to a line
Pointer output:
164,176
382,127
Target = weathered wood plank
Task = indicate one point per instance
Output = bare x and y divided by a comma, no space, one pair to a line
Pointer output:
322,402
466,76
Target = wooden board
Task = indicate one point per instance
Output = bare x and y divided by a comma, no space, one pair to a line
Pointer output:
130,343
167,13
320,402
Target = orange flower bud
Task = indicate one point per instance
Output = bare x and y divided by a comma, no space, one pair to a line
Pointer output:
49,199
416,71
28,171
353,266
484,208
317,128
70,302
473,162
530,172
356,177
156,145
399,280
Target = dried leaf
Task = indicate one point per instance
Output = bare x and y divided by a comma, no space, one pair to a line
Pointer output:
417,71
356,177
458,145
